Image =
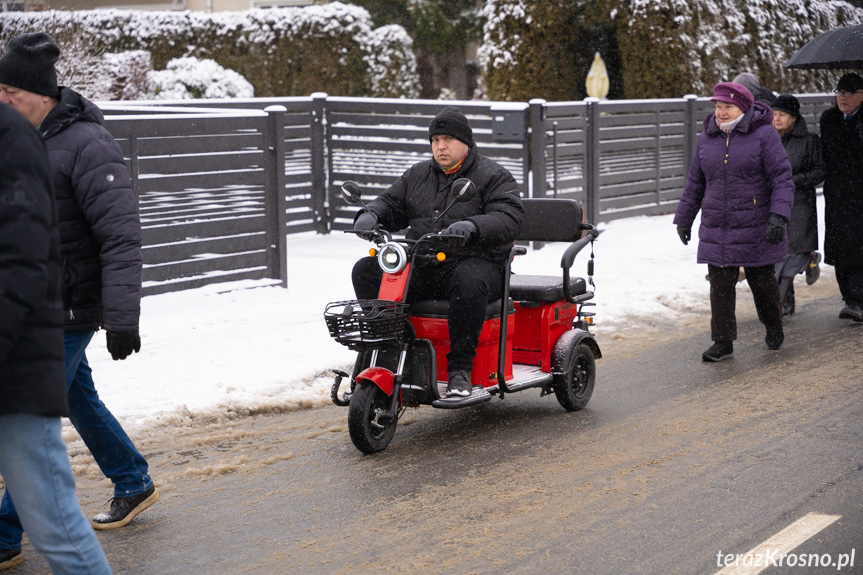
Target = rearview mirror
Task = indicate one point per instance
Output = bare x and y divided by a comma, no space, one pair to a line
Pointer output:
463,190
351,192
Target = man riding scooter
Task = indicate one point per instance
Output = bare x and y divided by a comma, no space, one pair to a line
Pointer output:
471,276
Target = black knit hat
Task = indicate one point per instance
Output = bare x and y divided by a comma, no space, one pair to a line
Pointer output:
451,122
28,64
787,103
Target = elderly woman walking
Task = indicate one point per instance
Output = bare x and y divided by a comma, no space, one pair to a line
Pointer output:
804,154
740,178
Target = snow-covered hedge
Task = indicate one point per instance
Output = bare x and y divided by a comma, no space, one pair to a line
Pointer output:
286,52
653,48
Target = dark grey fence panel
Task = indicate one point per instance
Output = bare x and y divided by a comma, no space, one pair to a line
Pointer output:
181,180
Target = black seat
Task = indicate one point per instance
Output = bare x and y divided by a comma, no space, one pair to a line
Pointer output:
543,288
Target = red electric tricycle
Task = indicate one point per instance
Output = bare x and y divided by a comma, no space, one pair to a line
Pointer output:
536,335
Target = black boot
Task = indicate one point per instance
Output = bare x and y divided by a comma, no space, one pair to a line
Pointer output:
775,336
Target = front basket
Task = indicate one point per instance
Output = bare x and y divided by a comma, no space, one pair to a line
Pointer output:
364,323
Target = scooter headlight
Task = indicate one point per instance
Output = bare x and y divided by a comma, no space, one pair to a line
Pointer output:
392,258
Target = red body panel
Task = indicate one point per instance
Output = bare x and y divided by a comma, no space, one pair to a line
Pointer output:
538,330
393,285
485,363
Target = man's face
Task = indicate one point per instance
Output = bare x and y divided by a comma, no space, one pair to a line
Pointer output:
849,101
448,151
34,107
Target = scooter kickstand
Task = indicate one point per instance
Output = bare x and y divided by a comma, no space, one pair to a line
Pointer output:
334,391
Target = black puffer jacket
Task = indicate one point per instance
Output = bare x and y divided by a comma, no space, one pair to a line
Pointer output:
804,153
842,150
100,231
32,369
424,191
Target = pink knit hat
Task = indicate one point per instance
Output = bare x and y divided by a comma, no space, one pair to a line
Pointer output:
732,93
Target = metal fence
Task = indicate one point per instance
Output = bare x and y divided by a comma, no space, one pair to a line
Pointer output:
221,183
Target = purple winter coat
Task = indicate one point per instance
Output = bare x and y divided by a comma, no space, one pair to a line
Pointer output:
738,180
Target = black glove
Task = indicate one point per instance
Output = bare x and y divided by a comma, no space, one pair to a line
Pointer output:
366,222
464,229
121,344
775,228
685,234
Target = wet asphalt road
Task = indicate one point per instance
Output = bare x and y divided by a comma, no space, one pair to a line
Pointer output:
672,462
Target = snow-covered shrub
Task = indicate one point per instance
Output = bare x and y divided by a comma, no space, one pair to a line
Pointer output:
190,78
392,64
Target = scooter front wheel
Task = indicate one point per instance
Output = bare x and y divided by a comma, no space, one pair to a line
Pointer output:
574,388
368,403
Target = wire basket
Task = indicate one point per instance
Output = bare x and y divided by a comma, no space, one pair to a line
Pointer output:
360,324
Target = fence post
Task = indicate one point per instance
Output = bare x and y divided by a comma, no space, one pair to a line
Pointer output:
591,160
319,174
537,148
689,123
275,202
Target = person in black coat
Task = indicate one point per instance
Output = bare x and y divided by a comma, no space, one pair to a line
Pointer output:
804,154
472,275
33,459
842,150
100,245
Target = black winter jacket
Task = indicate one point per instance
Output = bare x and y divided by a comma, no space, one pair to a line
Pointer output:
32,368
100,231
804,154
842,150
424,191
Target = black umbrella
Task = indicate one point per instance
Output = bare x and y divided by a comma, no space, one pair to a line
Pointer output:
834,50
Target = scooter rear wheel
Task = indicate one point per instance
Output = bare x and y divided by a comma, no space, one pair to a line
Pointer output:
368,402
574,388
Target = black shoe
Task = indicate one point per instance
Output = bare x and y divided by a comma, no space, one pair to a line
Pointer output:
10,558
813,270
459,384
851,311
124,509
775,337
718,351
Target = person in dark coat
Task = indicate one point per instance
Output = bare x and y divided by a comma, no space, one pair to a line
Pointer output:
33,459
472,275
842,150
750,81
804,154
100,244
740,179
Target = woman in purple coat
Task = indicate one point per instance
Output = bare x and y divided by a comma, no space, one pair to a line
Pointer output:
740,179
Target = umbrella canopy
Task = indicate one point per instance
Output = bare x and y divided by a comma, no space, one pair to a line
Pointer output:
834,50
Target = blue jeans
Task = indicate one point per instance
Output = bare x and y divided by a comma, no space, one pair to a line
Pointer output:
35,466
112,449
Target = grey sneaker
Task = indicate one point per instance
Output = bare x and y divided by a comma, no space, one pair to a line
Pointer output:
813,270
459,384
718,351
10,558
124,509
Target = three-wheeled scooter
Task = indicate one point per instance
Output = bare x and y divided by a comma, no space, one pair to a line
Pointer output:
536,336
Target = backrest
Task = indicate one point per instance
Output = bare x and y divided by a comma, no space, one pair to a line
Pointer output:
551,220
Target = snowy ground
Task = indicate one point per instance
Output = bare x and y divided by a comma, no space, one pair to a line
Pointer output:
247,347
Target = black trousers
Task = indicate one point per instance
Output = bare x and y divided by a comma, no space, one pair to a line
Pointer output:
469,285
723,299
850,280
